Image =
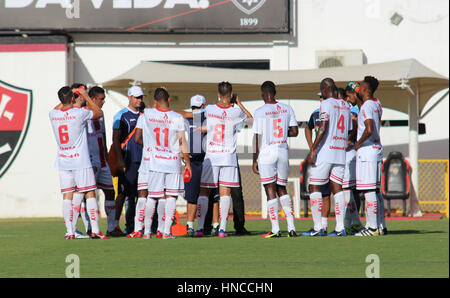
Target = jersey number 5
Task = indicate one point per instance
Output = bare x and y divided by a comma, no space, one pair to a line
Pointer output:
63,131
278,130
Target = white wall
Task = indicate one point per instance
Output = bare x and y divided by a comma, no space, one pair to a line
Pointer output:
30,187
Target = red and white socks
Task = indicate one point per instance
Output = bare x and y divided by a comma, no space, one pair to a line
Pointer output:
68,216
202,210
139,214
110,210
150,207
286,204
371,209
224,208
315,199
92,210
272,206
171,206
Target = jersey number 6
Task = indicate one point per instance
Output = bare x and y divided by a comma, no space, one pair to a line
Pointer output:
63,134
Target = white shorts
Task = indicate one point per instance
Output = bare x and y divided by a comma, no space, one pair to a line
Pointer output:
160,184
368,175
213,176
274,172
321,173
104,178
350,169
142,180
82,180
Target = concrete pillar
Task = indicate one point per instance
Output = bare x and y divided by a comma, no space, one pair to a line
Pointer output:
413,111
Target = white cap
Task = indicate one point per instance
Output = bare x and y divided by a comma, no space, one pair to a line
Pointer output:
319,94
197,100
135,91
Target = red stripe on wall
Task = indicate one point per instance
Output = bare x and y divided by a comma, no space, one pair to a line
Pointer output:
33,47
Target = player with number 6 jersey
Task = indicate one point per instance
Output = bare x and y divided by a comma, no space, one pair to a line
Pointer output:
73,161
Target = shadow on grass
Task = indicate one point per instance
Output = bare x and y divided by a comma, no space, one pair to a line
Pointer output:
400,232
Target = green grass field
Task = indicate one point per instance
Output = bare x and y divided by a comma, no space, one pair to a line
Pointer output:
36,248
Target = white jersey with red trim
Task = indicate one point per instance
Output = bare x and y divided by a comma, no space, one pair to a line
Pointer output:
272,122
69,128
332,147
146,150
160,131
96,142
221,124
371,149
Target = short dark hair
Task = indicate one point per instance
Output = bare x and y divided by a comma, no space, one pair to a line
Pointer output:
224,88
96,90
372,82
161,94
268,87
78,85
341,91
65,95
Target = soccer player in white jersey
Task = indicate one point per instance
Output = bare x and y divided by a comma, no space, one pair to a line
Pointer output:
73,161
273,123
352,221
369,157
161,131
327,156
219,167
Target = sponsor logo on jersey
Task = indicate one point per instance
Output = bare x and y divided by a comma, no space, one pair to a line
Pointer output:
15,114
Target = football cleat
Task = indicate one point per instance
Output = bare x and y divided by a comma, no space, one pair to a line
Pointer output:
137,234
98,235
69,236
117,232
79,235
292,234
313,233
338,233
367,232
215,232
272,235
199,233
382,231
222,234
159,234
147,236
190,232
170,236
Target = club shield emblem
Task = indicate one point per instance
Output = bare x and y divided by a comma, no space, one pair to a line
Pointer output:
248,6
15,114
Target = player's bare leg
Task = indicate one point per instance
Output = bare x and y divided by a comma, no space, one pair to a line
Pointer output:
286,204
191,212
120,200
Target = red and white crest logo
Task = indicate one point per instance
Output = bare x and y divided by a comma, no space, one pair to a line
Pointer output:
165,116
248,6
15,114
224,114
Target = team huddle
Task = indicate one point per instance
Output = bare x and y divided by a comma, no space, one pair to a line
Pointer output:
346,155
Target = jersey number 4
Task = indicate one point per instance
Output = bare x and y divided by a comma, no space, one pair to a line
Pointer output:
341,124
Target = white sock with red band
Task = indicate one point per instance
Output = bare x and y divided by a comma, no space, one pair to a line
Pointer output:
224,208
161,219
68,215
171,206
76,206
202,209
110,210
150,207
92,209
272,206
139,215
286,203
339,208
85,217
371,209
315,199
